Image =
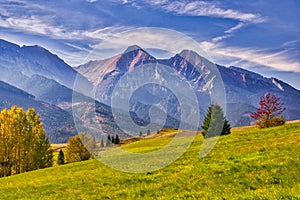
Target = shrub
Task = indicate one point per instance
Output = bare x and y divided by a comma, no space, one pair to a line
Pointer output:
76,150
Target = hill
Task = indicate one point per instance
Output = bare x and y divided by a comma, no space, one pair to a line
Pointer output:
248,164
57,122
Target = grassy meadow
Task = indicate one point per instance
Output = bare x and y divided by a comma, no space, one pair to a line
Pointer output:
249,163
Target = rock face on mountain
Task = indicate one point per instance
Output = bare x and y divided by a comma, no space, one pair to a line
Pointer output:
46,83
243,88
58,123
24,66
35,60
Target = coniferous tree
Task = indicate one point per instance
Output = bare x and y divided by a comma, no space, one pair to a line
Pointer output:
141,133
108,141
61,158
113,140
148,132
102,143
215,122
117,140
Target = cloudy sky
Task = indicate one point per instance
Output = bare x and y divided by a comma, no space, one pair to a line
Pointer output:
262,35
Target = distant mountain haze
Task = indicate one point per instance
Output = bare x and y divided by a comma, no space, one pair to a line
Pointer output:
31,76
243,88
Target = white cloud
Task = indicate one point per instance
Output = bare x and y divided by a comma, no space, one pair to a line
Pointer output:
279,61
147,38
106,32
238,26
43,26
203,8
229,32
37,25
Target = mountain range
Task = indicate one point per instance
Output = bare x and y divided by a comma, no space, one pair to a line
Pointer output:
243,88
31,76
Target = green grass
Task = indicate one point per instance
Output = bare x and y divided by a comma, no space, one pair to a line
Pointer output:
248,164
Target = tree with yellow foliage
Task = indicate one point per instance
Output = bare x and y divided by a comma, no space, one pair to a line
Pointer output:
23,142
79,148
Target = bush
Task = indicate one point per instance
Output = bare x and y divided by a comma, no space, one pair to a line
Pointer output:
275,121
76,150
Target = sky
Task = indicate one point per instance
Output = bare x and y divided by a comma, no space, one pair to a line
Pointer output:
262,36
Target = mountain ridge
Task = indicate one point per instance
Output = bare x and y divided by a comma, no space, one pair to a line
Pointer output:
57,122
241,86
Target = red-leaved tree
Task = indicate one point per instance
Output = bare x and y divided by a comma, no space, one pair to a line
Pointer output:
269,111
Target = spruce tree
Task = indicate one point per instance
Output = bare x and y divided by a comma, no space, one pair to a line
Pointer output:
113,140
108,141
117,140
102,143
215,122
61,158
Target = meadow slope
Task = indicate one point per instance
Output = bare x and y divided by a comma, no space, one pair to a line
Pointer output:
248,164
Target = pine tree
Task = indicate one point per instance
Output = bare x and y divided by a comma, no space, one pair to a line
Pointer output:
215,122
113,140
61,158
148,132
117,140
108,141
102,143
141,134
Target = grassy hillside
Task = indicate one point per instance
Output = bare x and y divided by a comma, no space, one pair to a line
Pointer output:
248,164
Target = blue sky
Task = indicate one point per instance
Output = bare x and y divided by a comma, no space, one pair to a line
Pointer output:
262,35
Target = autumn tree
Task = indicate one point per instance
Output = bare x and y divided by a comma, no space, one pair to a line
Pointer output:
215,123
23,142
76,151
269,112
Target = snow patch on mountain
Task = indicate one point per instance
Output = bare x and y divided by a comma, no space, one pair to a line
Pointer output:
243,77
277,84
